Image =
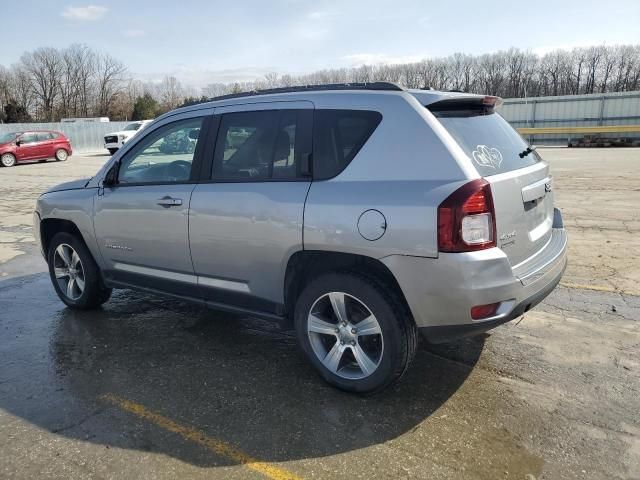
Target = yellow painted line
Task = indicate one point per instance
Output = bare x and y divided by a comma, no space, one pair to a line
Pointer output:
214,445
597,288
602,129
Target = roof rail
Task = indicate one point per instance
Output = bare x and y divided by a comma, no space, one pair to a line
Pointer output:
316,88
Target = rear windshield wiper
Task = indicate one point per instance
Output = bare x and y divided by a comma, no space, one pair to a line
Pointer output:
526,152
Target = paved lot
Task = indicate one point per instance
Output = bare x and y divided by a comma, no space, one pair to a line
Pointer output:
150,388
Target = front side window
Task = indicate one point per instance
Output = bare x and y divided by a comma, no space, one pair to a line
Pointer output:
338,135
164,155
132,127
257,146
28,138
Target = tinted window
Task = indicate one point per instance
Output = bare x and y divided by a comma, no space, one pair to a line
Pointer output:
491,143
338,135
255,146
165,155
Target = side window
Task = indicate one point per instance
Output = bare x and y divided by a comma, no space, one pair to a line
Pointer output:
338,135
165,155
28,138
43,136
257,146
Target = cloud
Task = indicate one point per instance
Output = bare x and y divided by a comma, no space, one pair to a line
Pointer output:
358,59
85,14
318,15
200,76
134,33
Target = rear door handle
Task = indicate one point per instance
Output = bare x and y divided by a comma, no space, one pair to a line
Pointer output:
169,202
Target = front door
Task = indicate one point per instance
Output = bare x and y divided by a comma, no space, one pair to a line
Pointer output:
29,147
141,223
247,220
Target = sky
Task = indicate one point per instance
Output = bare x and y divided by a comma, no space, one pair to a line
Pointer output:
205,41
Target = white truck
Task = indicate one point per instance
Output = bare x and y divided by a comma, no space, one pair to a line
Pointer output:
113,141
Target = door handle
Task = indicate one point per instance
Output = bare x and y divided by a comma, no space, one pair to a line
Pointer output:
169,202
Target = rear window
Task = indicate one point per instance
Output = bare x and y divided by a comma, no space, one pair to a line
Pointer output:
492,144
338,135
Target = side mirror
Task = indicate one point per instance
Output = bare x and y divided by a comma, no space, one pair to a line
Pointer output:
111,178
194,134
18,143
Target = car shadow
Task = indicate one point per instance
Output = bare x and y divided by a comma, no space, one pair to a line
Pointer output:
239,380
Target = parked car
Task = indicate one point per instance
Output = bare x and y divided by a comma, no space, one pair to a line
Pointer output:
363,214
16,147
113,141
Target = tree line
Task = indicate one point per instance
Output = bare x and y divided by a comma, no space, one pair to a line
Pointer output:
48,84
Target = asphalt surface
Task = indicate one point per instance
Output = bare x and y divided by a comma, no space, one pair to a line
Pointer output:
153,388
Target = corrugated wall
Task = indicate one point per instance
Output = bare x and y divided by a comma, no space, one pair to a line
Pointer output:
85,136
621,108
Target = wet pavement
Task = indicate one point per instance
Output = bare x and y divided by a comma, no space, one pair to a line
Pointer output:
154,388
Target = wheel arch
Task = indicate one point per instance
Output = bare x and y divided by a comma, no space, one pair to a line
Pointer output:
49,227
304,265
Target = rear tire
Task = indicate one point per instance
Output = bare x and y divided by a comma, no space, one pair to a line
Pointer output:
8,160
61,155
373,344
74,274
112,150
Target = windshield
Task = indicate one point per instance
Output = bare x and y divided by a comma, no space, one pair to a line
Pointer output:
491,143
132,126
8,137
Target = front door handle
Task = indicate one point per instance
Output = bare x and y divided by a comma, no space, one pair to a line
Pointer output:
169,202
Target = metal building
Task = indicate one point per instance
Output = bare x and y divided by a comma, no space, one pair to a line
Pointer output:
562,119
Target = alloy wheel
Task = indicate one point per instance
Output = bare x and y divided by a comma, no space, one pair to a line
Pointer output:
345,335
69,271
8,160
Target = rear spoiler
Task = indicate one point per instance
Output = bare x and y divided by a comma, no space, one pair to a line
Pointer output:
465,106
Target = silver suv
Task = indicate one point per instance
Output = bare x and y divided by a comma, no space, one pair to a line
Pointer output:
362,213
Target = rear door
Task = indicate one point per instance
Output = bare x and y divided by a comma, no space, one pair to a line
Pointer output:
245,219
47,144
520,181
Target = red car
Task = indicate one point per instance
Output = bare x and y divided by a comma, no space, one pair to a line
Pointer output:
34,145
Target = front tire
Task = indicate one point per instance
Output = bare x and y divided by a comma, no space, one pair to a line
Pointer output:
356,332
8,160
112,151
61,155
74,274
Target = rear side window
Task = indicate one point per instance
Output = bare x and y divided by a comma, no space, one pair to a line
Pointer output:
338,135
42,136
258,146
492,144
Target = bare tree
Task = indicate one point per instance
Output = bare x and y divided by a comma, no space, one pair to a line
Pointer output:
109,81
44,67
171,93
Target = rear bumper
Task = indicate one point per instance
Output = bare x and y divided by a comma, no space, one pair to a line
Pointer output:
441,291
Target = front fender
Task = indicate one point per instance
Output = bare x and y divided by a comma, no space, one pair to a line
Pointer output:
75,206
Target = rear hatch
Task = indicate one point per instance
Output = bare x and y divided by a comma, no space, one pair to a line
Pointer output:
520,180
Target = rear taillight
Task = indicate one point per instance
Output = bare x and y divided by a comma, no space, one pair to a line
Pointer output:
466,219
